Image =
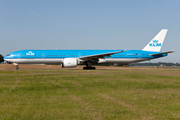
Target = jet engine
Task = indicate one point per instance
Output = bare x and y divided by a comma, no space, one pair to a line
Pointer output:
69,62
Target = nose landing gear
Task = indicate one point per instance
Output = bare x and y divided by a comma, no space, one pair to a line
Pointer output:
17,67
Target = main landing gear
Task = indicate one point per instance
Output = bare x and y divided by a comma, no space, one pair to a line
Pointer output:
89,66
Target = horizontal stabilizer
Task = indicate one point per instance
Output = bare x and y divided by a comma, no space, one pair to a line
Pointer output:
162,53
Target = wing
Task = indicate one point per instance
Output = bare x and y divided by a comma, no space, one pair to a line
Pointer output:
97,56
162,53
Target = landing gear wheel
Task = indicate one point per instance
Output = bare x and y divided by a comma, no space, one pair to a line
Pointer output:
17,68
89,68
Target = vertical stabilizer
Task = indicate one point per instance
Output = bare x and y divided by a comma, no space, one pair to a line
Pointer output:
156,43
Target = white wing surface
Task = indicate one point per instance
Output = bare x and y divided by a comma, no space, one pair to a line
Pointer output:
97,56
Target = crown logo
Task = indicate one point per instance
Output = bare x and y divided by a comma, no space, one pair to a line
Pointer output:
155,41
30,53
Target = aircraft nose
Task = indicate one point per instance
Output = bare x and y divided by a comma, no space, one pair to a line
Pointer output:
5,58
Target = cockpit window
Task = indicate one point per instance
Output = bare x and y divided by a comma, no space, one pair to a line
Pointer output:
8,55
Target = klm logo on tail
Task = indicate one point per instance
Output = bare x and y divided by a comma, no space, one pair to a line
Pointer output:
155,44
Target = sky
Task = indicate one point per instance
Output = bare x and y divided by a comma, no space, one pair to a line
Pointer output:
89,24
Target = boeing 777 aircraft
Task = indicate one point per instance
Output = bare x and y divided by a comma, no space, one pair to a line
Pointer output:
72,58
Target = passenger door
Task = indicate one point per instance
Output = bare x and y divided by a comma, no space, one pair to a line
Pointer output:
19,55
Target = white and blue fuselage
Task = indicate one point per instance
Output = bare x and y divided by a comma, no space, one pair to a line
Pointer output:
58,56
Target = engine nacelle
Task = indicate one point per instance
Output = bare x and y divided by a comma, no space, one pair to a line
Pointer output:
69,62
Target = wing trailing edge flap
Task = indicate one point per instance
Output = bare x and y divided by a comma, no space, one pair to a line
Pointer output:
162,53
97,56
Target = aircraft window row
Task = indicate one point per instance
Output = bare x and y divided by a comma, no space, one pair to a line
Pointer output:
30,55
69,55
130,55
124,55
61,55
55,55
119,55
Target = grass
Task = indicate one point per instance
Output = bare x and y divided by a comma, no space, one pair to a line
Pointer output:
101,94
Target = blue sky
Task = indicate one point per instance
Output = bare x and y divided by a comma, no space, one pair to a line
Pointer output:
88,24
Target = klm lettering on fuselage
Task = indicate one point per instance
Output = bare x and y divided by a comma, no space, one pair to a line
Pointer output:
155,44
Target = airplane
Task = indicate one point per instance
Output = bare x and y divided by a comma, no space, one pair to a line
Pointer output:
73,58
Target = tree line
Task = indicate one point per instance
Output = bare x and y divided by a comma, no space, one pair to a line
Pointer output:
1,58
155,64
143,64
